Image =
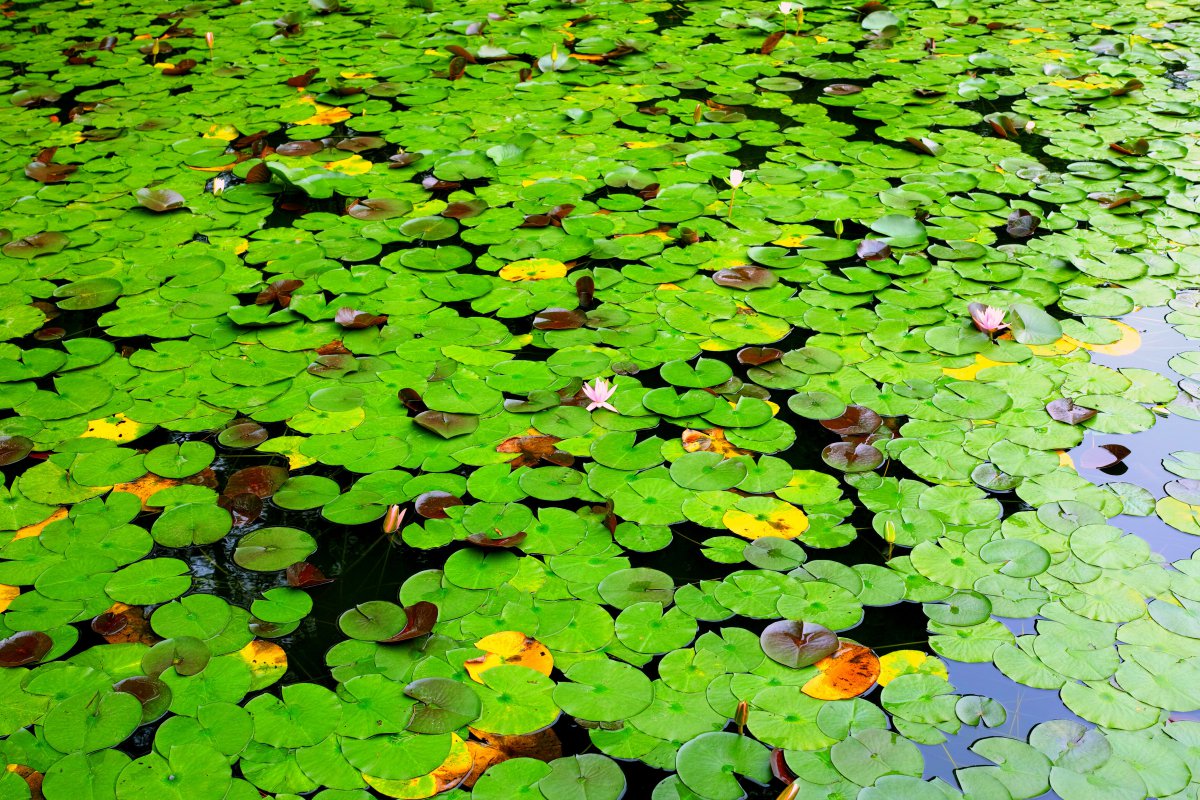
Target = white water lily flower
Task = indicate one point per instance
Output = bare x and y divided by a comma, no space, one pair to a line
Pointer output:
736,176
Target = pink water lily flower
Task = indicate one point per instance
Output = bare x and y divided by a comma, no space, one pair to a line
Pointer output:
599,394
988,319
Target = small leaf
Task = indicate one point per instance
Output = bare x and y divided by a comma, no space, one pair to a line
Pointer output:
1065,410
745,278
1022,224
352,319
447,425
797,644
873,250
160,200
421,616
433,504
854,421
303,575
757,356
483,540
24,647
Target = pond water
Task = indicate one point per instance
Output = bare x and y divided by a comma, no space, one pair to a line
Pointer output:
578,401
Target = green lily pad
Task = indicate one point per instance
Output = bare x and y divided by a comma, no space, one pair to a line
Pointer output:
269,549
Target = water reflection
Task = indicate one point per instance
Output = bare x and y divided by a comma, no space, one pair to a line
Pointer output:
1160,342
1026,706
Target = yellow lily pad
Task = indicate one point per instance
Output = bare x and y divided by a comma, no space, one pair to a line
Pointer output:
449,773
759,517
1129,342
117,428
267,662
851,671
909,662
289,447
534,269
509,647
36,528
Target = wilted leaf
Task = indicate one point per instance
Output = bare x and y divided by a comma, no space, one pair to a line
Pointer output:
447,425
1065,410
433,504
745,278
559,319
855,421
849,672
160,200
509,647
422,616
303,575
352,319
24,647
1022,224
797,644
757,356
873,250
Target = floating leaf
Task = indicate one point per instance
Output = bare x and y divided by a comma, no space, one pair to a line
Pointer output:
268,549
444,705
509,647
798,644
24,647
849,672
160,200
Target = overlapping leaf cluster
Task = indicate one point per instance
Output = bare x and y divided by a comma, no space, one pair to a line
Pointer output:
376,251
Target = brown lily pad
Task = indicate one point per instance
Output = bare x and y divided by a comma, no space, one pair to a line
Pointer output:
559,319
24,647
244,507
303,575
1022,224
433,505
757,356
279,291
259,481
298,149
352,319
13,449
182,67
855,421
46,172
745,278
36,244
378,208
850,457
361,144
797,644
421,616
447,425
483,540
